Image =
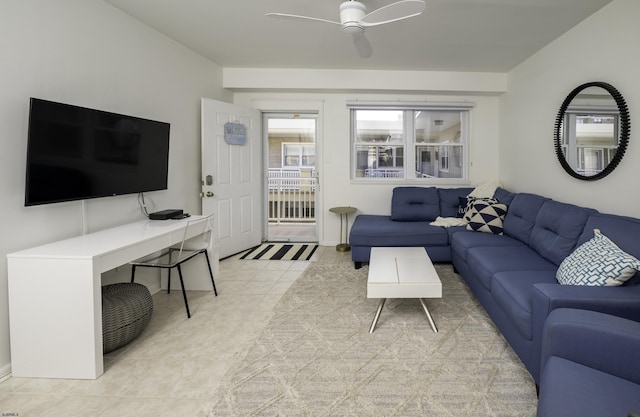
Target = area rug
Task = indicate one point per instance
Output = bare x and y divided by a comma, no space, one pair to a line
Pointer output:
317,358
281,251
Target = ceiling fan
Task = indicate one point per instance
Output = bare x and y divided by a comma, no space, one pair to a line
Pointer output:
354,19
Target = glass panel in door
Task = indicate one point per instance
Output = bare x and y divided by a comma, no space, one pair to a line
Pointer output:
291,177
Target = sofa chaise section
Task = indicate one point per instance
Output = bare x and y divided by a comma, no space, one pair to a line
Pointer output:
373,230
412,209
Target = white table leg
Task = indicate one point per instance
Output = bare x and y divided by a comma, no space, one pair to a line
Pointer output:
426,310
375,319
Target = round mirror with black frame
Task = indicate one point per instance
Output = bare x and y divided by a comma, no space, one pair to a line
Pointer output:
591,132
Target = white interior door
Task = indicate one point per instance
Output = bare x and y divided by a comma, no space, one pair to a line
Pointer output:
232,177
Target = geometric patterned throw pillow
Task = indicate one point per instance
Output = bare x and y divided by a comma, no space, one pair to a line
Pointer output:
486,217
597,262
466,205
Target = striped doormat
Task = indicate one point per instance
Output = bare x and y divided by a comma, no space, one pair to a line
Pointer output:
281,251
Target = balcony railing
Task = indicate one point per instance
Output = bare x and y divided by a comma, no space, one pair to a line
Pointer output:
383,173
291,196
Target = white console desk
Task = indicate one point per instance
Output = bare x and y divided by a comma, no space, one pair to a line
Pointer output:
55,299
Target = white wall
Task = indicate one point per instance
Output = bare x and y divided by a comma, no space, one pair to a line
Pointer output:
334,152
604,47
282,79
86,52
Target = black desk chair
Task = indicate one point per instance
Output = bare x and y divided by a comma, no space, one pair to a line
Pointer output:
173,257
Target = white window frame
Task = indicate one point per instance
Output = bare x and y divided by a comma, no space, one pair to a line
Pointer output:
409,144
300,147
444,158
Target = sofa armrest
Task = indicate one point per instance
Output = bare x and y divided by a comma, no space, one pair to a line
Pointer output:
621,301
599,341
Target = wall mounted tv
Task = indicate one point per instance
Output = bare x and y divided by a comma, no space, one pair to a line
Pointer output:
76,153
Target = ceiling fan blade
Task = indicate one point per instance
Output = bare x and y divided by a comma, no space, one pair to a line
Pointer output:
294,16
362,45
393,12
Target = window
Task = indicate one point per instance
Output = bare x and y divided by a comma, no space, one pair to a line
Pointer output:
298,155
409,142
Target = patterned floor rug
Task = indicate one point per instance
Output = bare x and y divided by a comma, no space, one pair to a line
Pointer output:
281,252
317,358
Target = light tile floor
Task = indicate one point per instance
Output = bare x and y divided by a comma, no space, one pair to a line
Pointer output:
175,365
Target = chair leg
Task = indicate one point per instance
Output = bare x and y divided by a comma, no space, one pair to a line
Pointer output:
133,272
169,274
206,255
184,293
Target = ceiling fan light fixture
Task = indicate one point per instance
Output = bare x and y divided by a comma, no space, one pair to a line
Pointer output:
353,28
350,14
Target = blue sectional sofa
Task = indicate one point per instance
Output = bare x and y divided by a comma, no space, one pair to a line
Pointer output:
513,274
590,365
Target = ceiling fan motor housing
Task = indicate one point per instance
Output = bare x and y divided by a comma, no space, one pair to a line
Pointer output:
351,12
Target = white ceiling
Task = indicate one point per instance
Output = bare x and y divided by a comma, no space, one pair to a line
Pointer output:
451,35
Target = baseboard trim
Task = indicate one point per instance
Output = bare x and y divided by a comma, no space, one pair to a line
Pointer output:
5,373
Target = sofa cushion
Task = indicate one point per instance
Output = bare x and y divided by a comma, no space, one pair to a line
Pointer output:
503,196
513,290
412,204
487,261
522,214
598,262
569,389
462,206
461,242
487,217
450,200
373,230
557,228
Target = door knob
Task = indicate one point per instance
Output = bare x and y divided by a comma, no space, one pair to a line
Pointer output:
209,194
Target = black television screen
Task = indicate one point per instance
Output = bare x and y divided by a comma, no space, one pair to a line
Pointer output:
76,153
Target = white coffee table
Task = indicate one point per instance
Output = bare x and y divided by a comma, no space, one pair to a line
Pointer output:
405,272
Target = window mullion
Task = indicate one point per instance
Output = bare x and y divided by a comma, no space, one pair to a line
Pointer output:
464,142
409,144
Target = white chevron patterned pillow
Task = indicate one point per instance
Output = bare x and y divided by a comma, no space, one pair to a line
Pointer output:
597,262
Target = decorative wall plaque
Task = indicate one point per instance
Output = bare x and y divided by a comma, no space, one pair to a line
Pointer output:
235,133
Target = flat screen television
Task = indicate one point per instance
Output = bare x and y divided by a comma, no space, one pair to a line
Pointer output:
76,153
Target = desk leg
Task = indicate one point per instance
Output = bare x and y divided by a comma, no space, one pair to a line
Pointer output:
375,319
426,310
56,318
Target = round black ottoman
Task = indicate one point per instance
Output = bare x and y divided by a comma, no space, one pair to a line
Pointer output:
126,311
